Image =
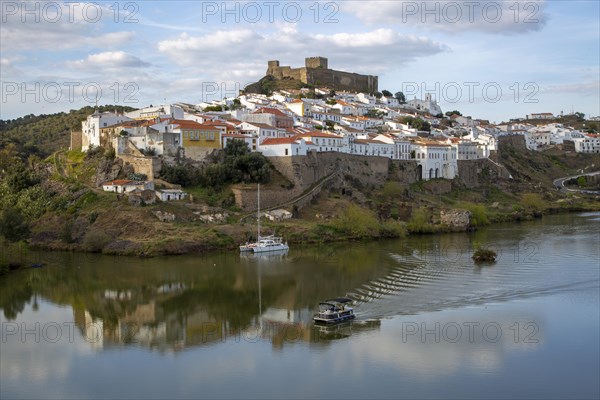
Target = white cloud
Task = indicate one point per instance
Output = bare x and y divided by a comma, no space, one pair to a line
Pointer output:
491,16
110,59
212,53
582,88
58,25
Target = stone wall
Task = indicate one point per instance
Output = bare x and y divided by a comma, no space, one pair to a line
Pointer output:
246,197
473,173
76,141
316,72
355,170
512,140
149,166
342,171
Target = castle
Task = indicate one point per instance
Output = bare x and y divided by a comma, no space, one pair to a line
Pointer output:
316,73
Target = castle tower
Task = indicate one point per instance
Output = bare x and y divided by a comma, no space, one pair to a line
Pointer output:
316,62
272,66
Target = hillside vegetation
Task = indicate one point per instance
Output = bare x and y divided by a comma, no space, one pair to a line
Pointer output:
43,134
49,198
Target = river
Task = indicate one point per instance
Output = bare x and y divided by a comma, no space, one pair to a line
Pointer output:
430,323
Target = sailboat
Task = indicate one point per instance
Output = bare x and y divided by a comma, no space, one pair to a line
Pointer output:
264,244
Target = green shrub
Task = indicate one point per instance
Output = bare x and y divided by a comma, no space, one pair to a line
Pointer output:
479,215
95,241
420,221
356,222
533,201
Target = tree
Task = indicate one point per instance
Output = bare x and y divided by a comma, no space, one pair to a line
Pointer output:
373,113
386,93
580,115
236,105
400,97
378,95
449,113
416,123
13,225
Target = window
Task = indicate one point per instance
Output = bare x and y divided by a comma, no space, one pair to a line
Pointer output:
286,152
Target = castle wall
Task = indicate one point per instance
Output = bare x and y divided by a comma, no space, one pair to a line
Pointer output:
316,73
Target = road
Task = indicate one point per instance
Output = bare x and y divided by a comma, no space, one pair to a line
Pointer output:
560,184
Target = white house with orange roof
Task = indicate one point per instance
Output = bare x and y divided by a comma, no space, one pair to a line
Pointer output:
284,147
270,116
261,131
324,141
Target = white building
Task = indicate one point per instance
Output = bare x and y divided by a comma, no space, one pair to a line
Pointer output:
535,140
428,104
544,115
590,143
126,186
171,194
299,107
390,101
260,131
366,98
90,128
435,159
165,111
284,147
248,139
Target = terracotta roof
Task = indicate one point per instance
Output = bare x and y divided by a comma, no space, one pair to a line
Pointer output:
274,141
269,110
186,124
319,134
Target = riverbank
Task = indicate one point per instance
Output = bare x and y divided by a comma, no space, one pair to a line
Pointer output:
152,238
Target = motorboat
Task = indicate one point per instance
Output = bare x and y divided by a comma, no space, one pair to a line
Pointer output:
333,311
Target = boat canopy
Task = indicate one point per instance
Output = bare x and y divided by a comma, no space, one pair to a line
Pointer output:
340,300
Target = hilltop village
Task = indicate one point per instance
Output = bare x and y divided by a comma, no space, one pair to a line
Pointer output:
288,123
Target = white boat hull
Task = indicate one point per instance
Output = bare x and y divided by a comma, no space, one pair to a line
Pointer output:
279,247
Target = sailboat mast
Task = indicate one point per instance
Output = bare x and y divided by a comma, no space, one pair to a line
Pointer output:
258,214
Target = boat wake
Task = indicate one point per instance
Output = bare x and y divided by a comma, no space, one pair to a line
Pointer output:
414,285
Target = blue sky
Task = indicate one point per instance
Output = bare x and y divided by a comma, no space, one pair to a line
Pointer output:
489,59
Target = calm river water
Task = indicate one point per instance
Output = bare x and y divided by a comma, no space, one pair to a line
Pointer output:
429,322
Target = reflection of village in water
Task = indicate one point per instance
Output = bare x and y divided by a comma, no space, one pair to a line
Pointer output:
176,315
148,325
173,303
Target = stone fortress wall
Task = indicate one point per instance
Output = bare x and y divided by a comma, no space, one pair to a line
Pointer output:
316,72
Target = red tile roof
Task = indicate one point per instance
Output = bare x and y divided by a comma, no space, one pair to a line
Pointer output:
274,141
269,110
319,134
186,124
